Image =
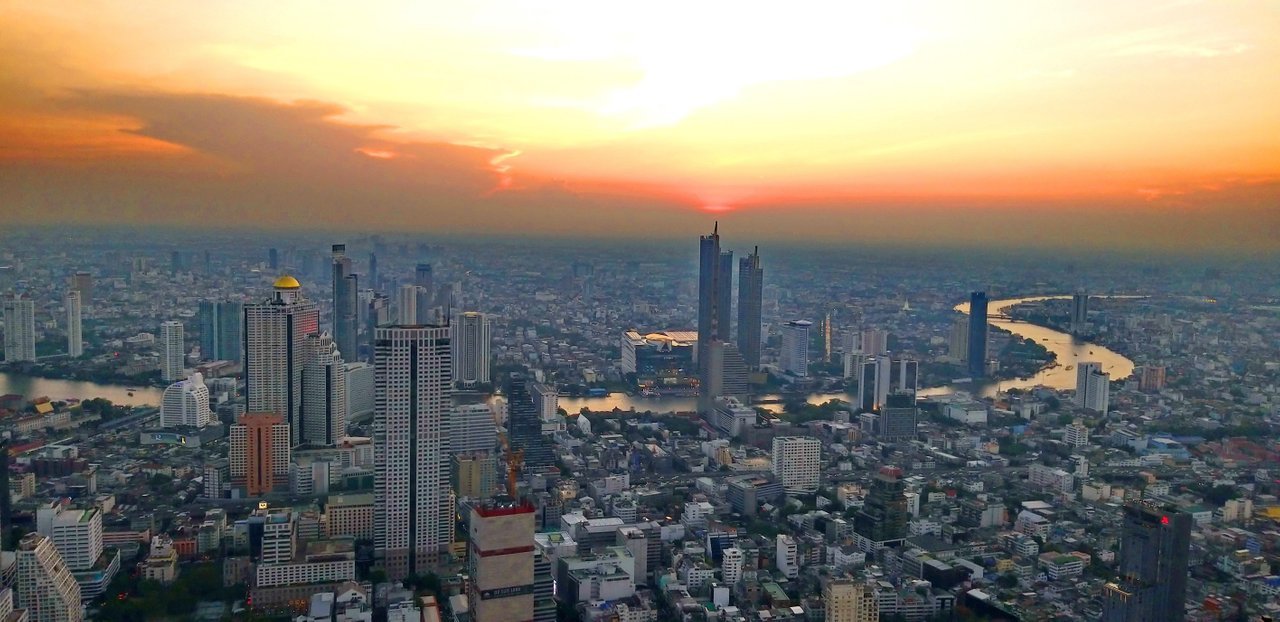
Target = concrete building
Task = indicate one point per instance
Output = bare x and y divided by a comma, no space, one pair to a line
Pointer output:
794,358
797,462
75,340
473,475
260,453
19,328
350,516
77,534
161,564
359,389
221,331
413,512
750,301
501,561
471,348
850,601
787,556
324,392
472,429
1093,387
45,586
186,404
173,352
346,304
1076,435
275,332
1154,555
977,358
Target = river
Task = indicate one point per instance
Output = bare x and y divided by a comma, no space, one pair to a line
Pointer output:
1070,353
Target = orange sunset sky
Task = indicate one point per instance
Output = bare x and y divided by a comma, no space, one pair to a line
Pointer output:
1060,123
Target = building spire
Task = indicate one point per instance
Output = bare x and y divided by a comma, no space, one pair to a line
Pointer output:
715,229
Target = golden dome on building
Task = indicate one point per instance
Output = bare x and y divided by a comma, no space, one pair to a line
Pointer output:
287,282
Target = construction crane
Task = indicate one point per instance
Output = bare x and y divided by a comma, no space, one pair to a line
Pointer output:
515,460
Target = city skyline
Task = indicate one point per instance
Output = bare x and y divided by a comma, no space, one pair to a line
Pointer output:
909,124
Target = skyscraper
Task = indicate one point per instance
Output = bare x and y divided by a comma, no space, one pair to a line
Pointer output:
346,310
881,375
958,346
883,517
797,462
45,586
186,404
413,517
324,392
273,259
1079,313
373,272
424,280
221,331
1155,547
274,334
173,351
260,452
501,563
794,358
1093,387
524,425
977,358
19,328
82,283
471,347
726,375
875,341
715,276
75,342
750,300
379,314
407,305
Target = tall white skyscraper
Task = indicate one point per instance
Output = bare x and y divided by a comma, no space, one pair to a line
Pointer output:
324,392
413,507
795,348
45,586
275,333
186,403
77,534
407,305
19,328
471,347
173,352
797,461
75,342
1093,387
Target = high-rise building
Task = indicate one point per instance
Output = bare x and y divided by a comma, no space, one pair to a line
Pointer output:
473,475
547,400
1093,387
726,375
501,562
875,341
977,358
424,280
324,391
715,283
1150,377
275,332
82,283
883,517
407,305
898,417
273,259
797,462
346,309
373,273
45,586
958,344
19,328
850,601
379,314
795,348
471,344
1155,547
1079,313
524,426
186,404
221,331
544,599
75,341
471,429
260,453
359,389
77,534
173,351
750,301
413,517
